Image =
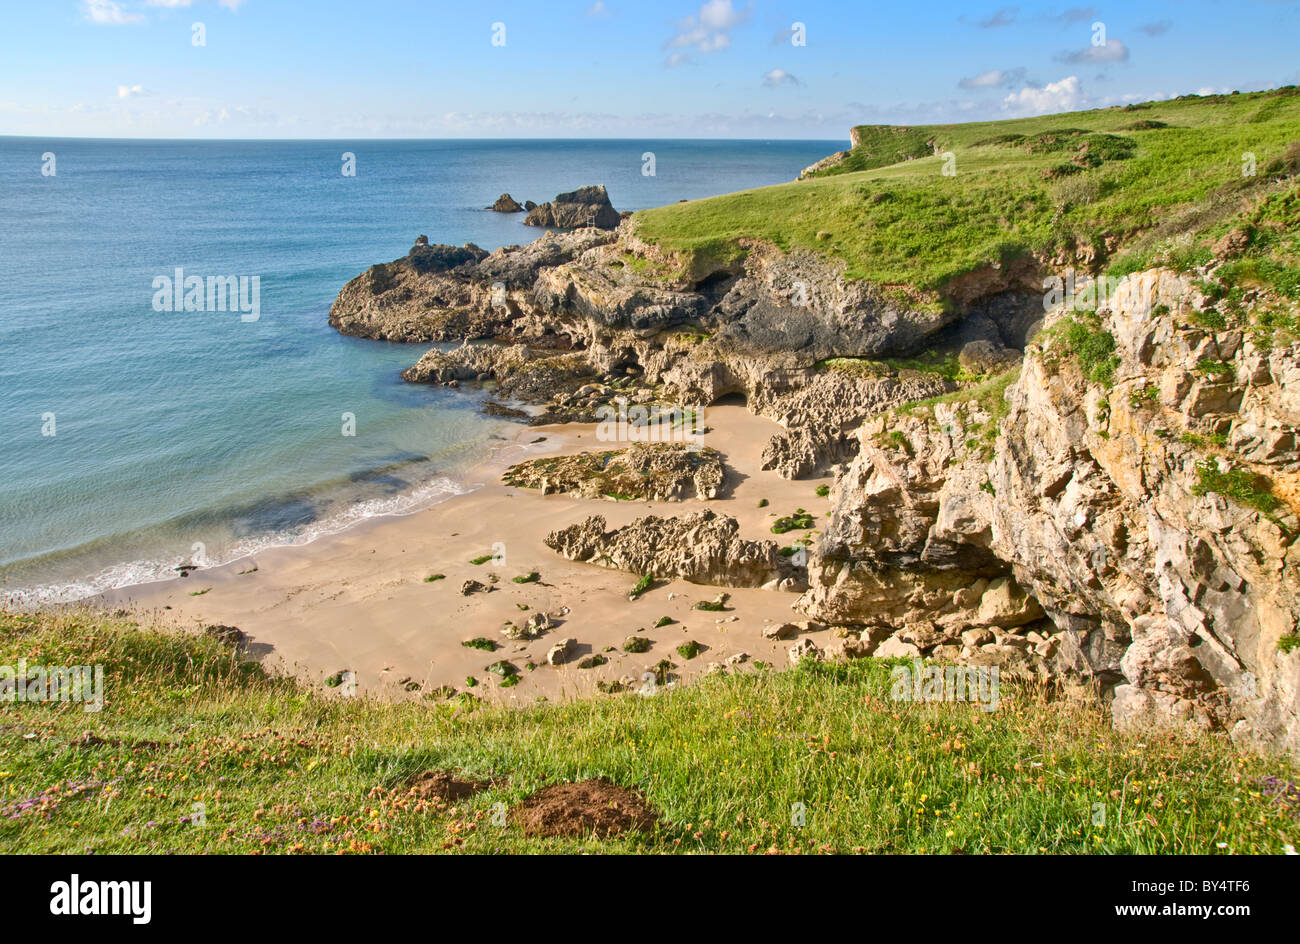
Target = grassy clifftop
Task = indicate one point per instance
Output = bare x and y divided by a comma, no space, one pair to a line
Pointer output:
1157,182
278,767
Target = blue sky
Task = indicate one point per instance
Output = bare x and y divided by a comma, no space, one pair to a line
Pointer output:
613,68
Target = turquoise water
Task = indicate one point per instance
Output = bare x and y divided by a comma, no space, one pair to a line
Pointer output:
177,428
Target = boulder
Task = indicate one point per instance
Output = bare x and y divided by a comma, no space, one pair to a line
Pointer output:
560,653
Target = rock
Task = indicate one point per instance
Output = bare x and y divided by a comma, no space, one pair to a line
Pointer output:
586,206
849,649
703,547
780,631
650,471
559,653
985,357
737,659
506,204
893,647
974,638
804,649
229,635
473,586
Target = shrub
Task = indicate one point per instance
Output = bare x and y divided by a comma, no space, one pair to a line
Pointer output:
1240,485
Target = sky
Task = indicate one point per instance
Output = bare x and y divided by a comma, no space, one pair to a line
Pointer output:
609,68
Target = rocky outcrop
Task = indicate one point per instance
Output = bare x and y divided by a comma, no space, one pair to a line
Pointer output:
449,293
1127,533
506,204
650,471
594,308
703,547
826,163
586,206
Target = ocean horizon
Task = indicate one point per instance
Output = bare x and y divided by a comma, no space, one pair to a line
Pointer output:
139,438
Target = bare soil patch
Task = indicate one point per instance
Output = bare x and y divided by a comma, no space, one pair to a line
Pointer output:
583,808
443,785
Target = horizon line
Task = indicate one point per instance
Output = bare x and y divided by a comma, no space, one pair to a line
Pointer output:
71,137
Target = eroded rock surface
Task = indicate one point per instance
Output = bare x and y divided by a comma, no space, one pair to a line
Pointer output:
703,547
651,471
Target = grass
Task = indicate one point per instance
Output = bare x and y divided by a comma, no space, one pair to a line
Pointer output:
1158,182
799,521
1082,338
476,561
531,577
434,577
644,584
1241,485
281,769
480,642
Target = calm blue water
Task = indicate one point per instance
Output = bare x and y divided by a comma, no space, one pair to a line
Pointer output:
177,428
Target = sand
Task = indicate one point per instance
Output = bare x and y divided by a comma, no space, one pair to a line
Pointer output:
358,601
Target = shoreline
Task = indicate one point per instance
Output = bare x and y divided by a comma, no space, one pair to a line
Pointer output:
358,512
357,600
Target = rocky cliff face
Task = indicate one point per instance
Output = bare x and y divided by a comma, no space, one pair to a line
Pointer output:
1117,508
1098,514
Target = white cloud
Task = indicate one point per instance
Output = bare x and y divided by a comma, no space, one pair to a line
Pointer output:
1064,95
707,31
773,78
994,78
130,91
1113,51
108,13
598,9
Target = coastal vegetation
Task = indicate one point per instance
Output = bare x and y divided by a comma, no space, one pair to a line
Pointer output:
1147,184
198,750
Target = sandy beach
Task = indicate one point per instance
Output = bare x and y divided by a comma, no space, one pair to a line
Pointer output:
358,600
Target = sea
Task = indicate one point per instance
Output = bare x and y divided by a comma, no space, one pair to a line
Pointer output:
137,436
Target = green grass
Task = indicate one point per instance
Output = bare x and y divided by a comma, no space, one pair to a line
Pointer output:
643,585
799,521
434,577
1161,181
480,642
476,561
1082,338
282,769
1241,485
531,577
